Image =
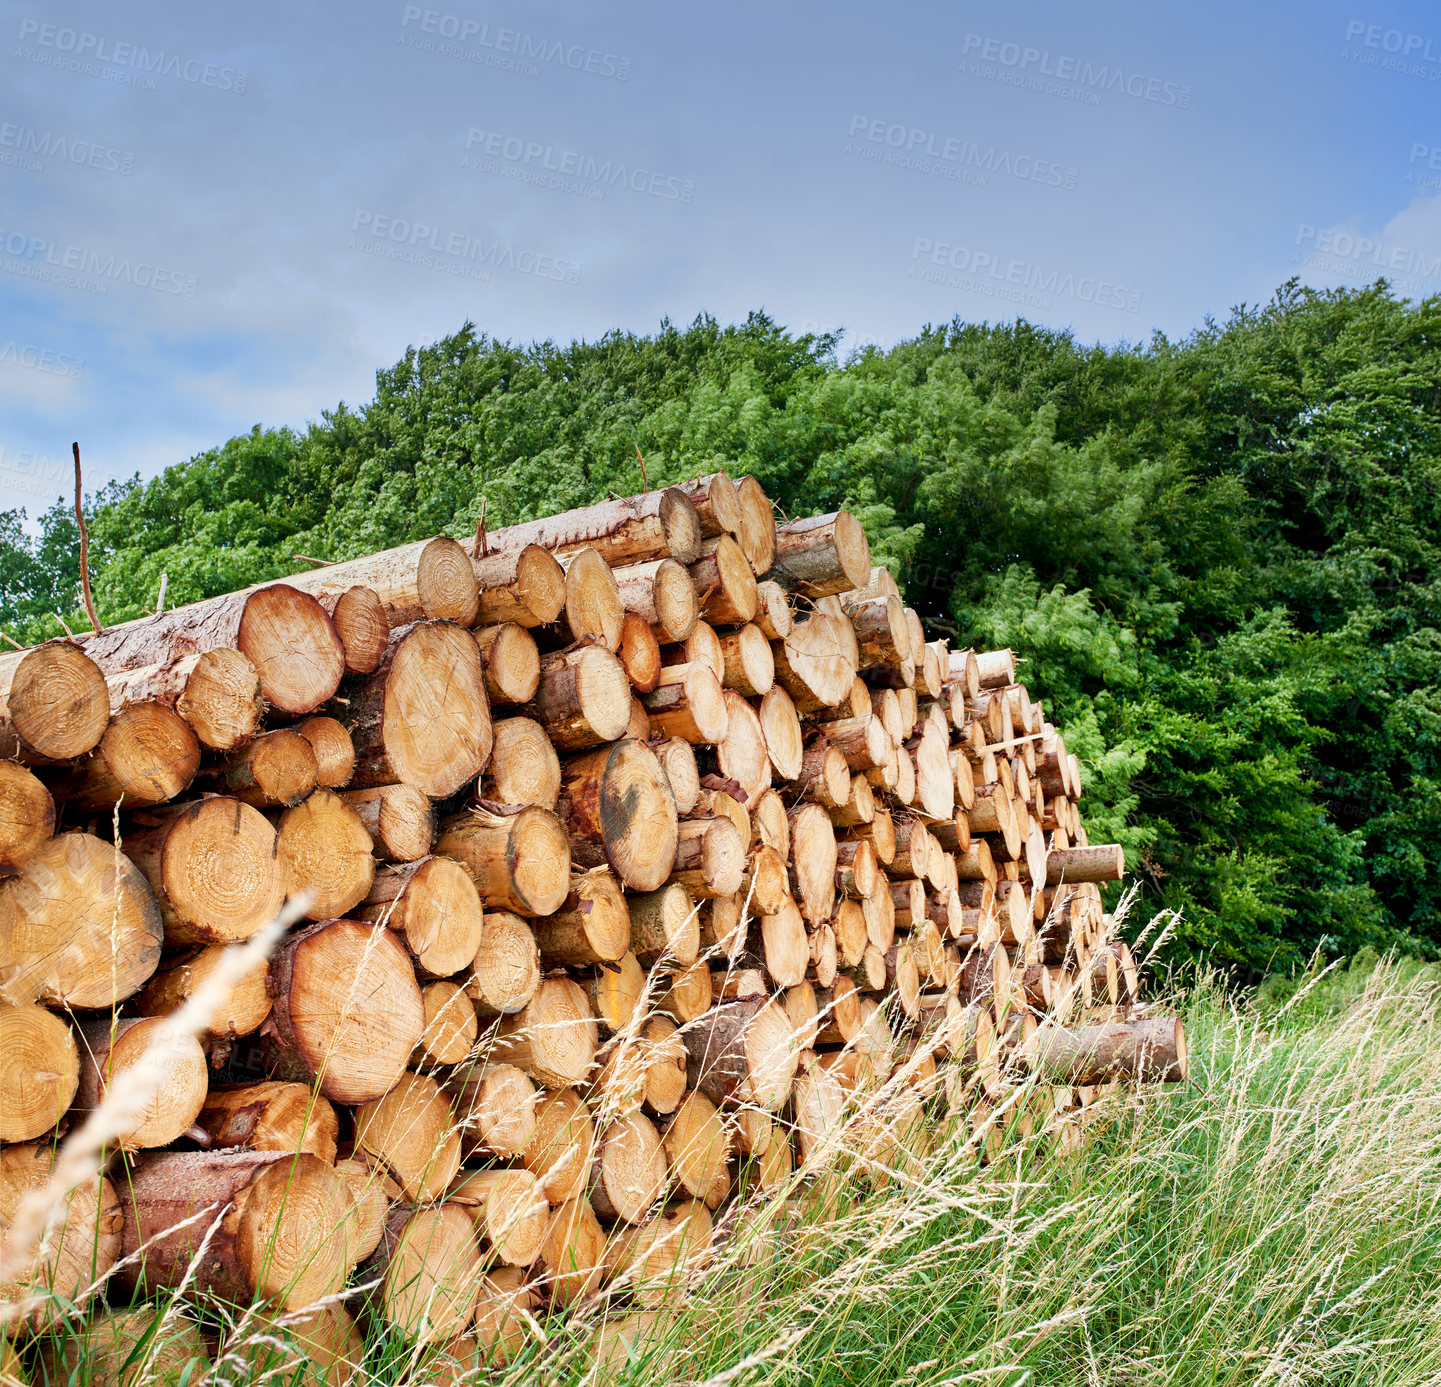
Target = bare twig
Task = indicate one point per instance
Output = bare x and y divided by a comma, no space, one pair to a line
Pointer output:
84,549
644,485
480,535
61,620
305,558
13,641
160,601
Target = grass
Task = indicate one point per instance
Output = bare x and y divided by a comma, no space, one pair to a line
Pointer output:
1275,1220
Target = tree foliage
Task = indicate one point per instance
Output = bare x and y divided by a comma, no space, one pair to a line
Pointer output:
1219,555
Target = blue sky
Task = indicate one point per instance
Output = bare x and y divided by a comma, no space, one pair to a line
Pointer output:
212,217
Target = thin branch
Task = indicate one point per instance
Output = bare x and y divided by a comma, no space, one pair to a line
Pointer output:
644,485
305,558
160,601
480,535
13,641
84,550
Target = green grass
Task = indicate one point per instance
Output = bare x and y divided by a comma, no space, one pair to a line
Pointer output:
1277,1219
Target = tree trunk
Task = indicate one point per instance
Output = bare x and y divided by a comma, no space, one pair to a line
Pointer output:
677,759
511,662
433,906
639,653
858,869
914,846
725,583
1104,862
750,666
813,861
148,755
360,622
244,1011
496,1106
519,861
689,704
39,1071
431,1265
525,585
840,1012
663,595
506,970
279,768
591,926
398,818
618,808
742,1052
524,768
717,504
27,816
509,1211
813,665
411,1131
592,611
553,1038
445,582
54,704
822,555
616,991
1150,1050
710,857
216,692
625,530
324,849
583,699
334,751
559,1152
629,1169
270,1117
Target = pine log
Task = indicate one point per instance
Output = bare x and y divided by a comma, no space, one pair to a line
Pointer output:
859,806
371,1192
216,692
663,595
244,1010
270,1117
411,1131
742,1052
39,1071
279,768
852,933
781,730
54,705
552,1038
432,906
509,1211
524,585
445,582
689,704
451,1027
348,1011
519,860
360,622
772,825
862,741
914,847
995,668
592,611
701,647
935,781
625,530
655,1263
334,751
559,1152
773,611
813,860
148,755
688,991
1147,1050
1104,862
725,583
323,849
741,755
619,810
665,923
399,819
750,665
79,927
717,503
629,1169
710,857
817,1105
638,728
511,662
583,698
317,1348
822,555
824,777
677,760
616,991
423,717
639,653
592,925
766,884
572,1253
495,1105
858,869
505,973
524,768
27,816
883,637
784,945
813,664
429,1265
758,525
697,1143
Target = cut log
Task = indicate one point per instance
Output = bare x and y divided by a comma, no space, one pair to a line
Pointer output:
445,582
411,1131
772,826
935,781
279,1236
639,653
423,717
591,926
511,662
883,637
688,704
743,1052
741,755
858,870
278,769
243,1012
655,1263
27,816
852,934
725,583
217,693
572,1252
1147,1050
616,991
71,1263
495,1105
505,973
270,1117
701,647
824,777
914,847
724,926
398,818
773,611
39,1071
54,705
79,927
813,664
371,1192
559,1152
592,610
768,883
1104,862
818,1105
822,555
619,810
862,741
758,525
859,806
360,622
524,768
903,977
324,849
663,595
785,946
519,861
803,1013
431,1267
813,861
689,992
348,1011
697,1144
321,1348
710,857
677,759
433,907
625,530
553,1038
976,863
103,1349
508,1209
717,504
841,1017
995,668
334,751
583,698
525,585
750,666
148,755
665,923
451,1028
629,1169
824,955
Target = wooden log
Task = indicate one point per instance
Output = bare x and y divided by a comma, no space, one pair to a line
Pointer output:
552,1038
813,663
412,1132
319,1348
519,859
361,623
688,704
279,768
817,1105
758,525
323,849
371,1192
883,637
572,1253
677,760
495,1108
399,819
841,1017
244,1010
54,705
217,693
1145,1050
725,583
781,730
616,991
742,1052
655,1264
624,530
509,1211
278,1227
618,808
824,955
803,1013
524,768
505,973
429,1265
79,927
511,662
771,823
858,869
27,816
995,668
767,883
347,1010
688,991
862,741
784,945
525,585
822,555
629,1169
423,717
935,781
445,582
39,1071
69,1265
665,923
773,611
710,857
717,504
724,927
1103,862
334,751
741,756
824,776
451,1027
662,594
592,924
559,1152
697,1144
432,906
270,1117
148,755
639,653
914,847
592,611
852,934
813,861
701,647
750,666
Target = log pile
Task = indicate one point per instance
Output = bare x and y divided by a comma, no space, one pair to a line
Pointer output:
655,860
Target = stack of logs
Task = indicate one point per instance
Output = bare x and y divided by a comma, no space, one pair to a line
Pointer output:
654,860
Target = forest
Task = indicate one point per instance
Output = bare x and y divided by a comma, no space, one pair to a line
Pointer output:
1220,556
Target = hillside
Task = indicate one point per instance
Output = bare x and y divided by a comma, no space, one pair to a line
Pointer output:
1221,552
